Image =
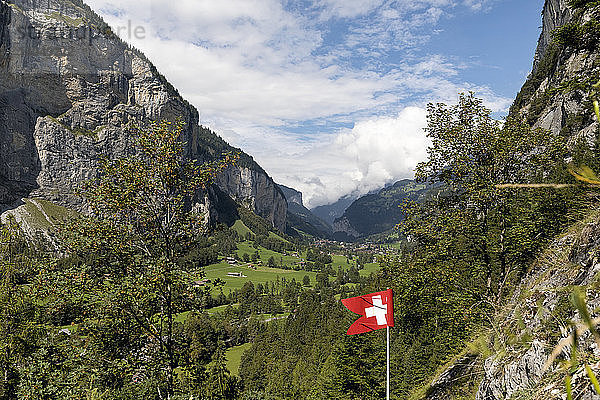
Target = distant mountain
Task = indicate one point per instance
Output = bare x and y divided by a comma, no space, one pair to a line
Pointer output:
300,218
291,195
330,212
377,212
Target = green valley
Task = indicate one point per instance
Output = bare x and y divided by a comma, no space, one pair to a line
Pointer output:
412,239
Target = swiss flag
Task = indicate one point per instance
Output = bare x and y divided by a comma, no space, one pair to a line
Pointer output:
377,310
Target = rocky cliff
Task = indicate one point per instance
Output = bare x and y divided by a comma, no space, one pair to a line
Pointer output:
292,195
300,220
330,212
69,92
556,94
556,13
510,360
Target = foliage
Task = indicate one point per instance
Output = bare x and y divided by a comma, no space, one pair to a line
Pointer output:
18,332
579,37
546,68
121,314
286,358
473,240
583,3
136,245
255,223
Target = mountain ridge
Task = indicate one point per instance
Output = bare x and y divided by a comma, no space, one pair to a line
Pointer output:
69,91
330,212
301,218
377,212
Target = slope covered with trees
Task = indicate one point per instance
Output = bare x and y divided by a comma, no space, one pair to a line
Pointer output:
470,246
122,313
500,268
378,212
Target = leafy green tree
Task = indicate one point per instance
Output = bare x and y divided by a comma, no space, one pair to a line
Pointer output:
475,235
142,225
363,259
286,358
322,280
354,370
306,280
471,155
247,298
18,331
353,275
219,383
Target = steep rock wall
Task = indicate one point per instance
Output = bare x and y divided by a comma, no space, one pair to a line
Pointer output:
556,97
70,91
555,14
556,94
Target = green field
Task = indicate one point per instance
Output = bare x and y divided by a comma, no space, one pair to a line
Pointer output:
247,247
241,228
276,236
260,275
369,269
234,357
341,261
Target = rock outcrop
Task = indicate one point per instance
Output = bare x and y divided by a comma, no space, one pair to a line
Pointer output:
541,309
292,195
556,94
300,220
556,97
69,92
556,13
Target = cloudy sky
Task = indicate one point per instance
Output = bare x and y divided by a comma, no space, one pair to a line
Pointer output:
329,96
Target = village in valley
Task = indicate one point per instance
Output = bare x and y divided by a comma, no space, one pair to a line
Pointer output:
251,262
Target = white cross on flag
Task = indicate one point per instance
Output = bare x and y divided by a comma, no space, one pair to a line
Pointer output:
377,310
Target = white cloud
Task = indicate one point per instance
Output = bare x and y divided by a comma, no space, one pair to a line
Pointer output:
259,71
374,153
478,5
348,8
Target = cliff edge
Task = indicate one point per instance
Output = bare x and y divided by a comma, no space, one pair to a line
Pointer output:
70,90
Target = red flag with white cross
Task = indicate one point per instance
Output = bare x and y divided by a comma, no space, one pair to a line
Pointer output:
376,310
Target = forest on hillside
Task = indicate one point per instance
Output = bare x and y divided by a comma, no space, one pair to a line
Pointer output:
141,294
109,308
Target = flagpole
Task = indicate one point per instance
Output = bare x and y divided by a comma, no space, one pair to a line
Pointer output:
388,363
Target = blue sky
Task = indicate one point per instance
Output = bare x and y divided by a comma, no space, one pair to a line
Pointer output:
500,43
329,96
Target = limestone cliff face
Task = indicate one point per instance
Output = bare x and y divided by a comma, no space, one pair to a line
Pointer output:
556,97
556,94
292,195
555,14
255,190
69,92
